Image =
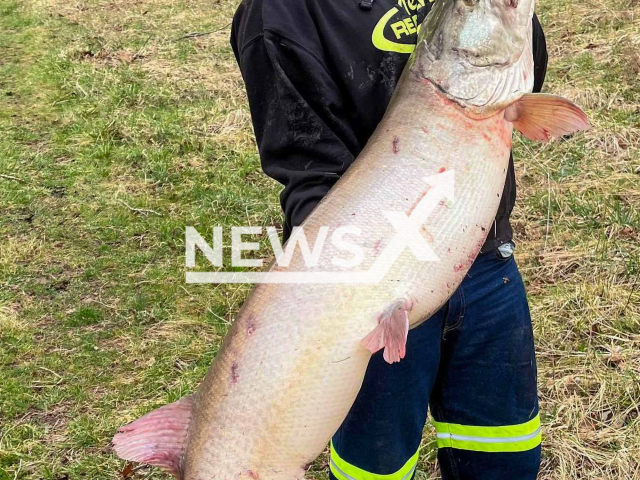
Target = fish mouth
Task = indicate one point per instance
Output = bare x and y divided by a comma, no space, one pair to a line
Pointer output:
476,59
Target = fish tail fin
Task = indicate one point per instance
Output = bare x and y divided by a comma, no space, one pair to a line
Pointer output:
158,437
542,117
391,334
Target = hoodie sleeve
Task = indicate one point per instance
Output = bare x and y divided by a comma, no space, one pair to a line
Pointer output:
299,118
303,119
540,55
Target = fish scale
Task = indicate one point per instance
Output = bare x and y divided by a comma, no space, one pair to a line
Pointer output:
292,364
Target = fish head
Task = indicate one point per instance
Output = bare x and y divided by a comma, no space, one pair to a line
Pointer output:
478,52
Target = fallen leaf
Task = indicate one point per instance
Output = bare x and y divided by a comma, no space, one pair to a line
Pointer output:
127,470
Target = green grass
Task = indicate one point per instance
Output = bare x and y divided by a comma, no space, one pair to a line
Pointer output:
116,132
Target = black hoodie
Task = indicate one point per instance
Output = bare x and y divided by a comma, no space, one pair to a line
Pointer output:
319,75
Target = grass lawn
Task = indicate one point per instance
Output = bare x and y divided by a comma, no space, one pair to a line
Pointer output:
120,124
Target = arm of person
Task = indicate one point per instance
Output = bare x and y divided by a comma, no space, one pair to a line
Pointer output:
300,122
303,137
540,55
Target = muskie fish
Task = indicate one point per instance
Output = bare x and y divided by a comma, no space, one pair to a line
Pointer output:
294,360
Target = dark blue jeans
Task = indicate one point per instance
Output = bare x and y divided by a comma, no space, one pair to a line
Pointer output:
473,364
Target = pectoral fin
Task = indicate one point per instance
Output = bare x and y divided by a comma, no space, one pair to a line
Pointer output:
542,117
390,334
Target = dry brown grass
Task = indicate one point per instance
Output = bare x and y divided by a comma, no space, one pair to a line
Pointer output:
577,224
581,261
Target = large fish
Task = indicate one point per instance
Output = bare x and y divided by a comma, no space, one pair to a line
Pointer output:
294,360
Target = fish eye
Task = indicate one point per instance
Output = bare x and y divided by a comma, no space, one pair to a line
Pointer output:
472,3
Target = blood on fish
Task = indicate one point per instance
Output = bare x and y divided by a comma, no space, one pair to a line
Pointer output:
396,147
426,232
234,373
253,474
505,136
415,204
425,130
250,324
442,169
471,257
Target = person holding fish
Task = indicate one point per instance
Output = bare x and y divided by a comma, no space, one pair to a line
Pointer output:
307,363
319,76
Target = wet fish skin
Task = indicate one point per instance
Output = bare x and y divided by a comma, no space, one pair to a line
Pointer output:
304,353
293,361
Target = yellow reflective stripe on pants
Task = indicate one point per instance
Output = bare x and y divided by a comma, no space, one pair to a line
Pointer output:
345,471
508,438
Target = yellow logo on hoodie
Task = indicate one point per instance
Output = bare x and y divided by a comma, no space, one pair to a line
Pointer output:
396,30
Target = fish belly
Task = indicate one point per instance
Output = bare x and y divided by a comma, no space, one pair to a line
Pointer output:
292,365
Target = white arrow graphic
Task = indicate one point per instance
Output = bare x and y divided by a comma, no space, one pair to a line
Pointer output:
408,227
